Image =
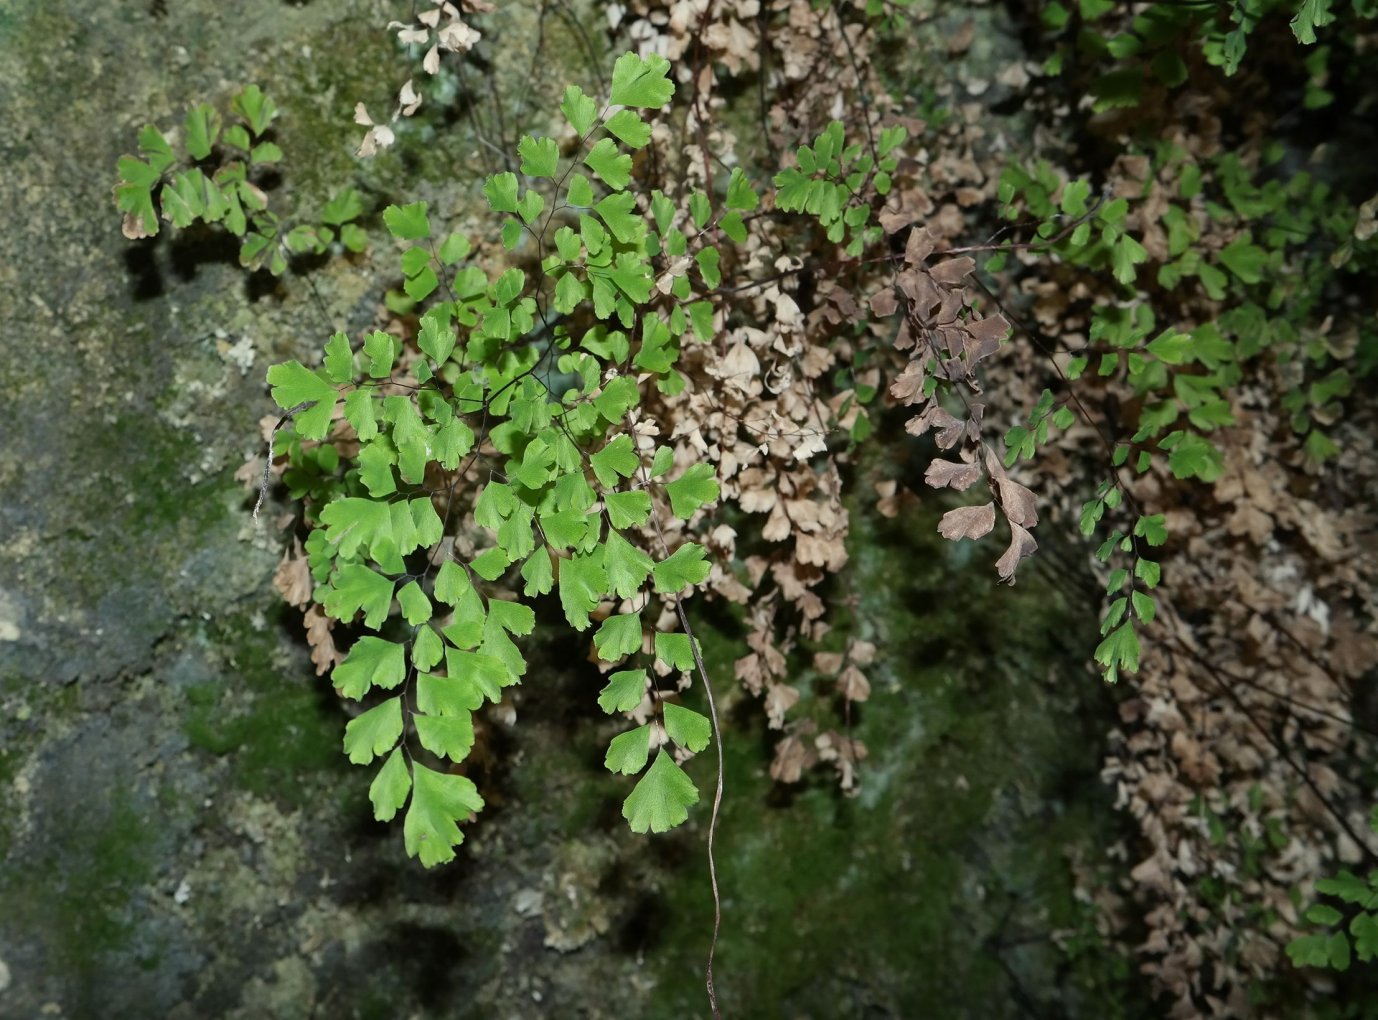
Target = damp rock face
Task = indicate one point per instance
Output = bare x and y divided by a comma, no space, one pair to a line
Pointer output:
180,834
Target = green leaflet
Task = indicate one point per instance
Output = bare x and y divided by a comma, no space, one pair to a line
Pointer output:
498,645
627,509
580,195
466,629
701,318
619,396
452,584
1193,457
375,732
353,522
700,209
355,588
625,689
191,196
613,166
661,800
496,502
1311,15
447,695
372,662
436,338
674,650
627,753
202,130
446,736
568,528
256,109
407,222
155,148
618,211
454,248
540,156
1152,529
535,467
1247,261
339,360
740,194
618,636
582,585
490,564
427,649
686,567
294,385
347,205
390,788
451,443
385,530
579,110
538,573
707,260
438,800
376,461
687,728
501,192
513,617
694,488
663,461
1119,651
617,459
485,673
641,82
416,608
529,206
628,127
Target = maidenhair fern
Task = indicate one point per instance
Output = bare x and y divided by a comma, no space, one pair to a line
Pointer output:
503,447
215,181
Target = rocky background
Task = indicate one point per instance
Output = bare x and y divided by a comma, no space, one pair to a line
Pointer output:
180,834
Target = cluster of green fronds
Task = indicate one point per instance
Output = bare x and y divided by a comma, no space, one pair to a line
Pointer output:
216,180
509,431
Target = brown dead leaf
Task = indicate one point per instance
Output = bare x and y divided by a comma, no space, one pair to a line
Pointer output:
853,685
968,522
751,670
944,473
908,385
132,227
863,653
984,336
740,368
1018,502
884,302
914,204
323,651
891,498
292,578
249,473
922,292
919,246
792,756
953,271
827,663
776,528
1022,546
951,434
844,753
780,698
